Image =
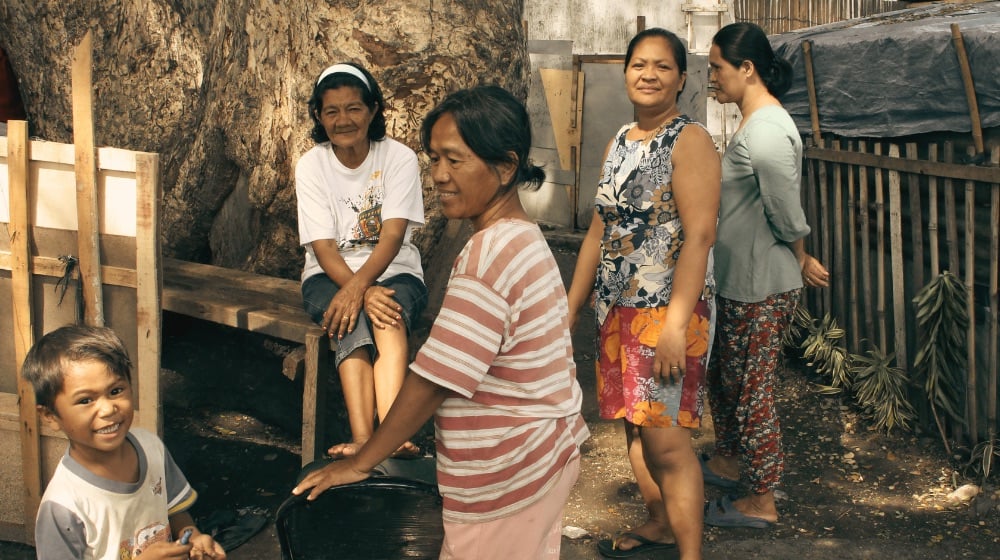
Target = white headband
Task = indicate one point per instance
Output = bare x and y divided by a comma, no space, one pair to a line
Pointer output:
345,69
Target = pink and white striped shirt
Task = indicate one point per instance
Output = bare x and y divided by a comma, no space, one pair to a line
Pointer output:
502,343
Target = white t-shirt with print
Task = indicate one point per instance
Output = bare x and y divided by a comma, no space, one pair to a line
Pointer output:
349,205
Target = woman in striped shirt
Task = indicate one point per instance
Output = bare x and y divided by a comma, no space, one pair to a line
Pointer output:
497,370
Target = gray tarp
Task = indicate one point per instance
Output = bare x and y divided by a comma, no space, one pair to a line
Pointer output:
898,73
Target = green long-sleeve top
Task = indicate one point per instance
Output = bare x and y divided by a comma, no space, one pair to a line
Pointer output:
760,213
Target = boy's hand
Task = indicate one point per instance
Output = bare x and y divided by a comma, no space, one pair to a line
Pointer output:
205,548
337,473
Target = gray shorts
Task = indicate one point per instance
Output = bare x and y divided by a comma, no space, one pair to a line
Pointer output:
411,294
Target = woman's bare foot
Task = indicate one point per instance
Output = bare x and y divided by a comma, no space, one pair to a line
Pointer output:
758,505
652,530
406,451
342,450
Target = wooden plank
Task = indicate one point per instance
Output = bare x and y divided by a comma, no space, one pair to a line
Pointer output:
24,329
932,214
51,266
280,291
950,220
558,86
883,333
85,166
864,226
916,221
993,332
147,296
970,281
947,169
899,303
838,265
314,395
852,246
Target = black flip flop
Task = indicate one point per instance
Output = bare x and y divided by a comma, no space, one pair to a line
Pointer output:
608,549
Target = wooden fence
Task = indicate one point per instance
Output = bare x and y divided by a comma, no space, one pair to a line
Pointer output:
779,16
887,217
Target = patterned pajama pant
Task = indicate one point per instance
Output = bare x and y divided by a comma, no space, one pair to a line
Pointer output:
740,379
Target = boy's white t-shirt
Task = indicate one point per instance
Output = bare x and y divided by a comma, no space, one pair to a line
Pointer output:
332,197
85,516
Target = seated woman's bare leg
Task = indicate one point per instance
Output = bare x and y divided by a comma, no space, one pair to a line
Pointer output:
389,371
357,381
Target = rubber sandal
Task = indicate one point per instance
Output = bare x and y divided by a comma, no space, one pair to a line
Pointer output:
722,513
608,548
714,479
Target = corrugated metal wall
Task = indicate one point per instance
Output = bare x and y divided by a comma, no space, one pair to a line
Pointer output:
778,16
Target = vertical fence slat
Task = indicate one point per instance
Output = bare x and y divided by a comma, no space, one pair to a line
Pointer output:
916,221
883,334
950,223
838,231
970,282
932,214
899,302
992,332
852,246
865,252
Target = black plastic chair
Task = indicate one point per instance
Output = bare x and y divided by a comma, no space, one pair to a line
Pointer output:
394,515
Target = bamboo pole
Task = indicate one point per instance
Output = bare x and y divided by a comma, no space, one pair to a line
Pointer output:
852,246
970,88
932,214
864,226
838,232
950,223
18,172
811,89
916,221
883,331
993,361
899,302
88,243
970,282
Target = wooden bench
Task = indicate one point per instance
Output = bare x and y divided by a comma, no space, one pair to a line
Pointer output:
260,304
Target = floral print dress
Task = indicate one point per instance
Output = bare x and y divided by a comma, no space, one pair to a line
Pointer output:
641,243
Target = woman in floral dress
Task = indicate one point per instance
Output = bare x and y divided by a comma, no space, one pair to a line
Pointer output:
647,257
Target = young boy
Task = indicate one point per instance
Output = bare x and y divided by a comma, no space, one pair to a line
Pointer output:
116,493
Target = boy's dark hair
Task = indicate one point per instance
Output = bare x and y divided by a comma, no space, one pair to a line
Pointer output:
43,366
371,97
742,41
494,124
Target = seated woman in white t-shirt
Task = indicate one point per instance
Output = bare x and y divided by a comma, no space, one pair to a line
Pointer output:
359,199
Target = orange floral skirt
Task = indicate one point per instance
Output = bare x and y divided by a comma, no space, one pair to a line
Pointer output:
625,385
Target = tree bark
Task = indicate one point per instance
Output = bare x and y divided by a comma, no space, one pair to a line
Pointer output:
219,89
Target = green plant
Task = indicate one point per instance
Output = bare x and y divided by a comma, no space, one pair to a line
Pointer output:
825,353
802,322
981,460
880,389
942,322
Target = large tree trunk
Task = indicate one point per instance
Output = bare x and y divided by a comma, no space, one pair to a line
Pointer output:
219,89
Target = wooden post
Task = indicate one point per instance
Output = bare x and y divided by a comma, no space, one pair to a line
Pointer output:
811,89
838,234
883,332
950,223
916,221
993,332
932,211
899,303
87,210
852,245
970,88
148,290
865,226
24,327
970,282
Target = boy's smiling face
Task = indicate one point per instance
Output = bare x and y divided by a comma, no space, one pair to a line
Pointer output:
94,410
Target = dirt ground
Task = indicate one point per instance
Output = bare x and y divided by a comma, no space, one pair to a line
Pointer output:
233,424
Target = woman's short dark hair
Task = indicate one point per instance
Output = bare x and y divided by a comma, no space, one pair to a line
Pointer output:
494,124
676,45
742,41
371,97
